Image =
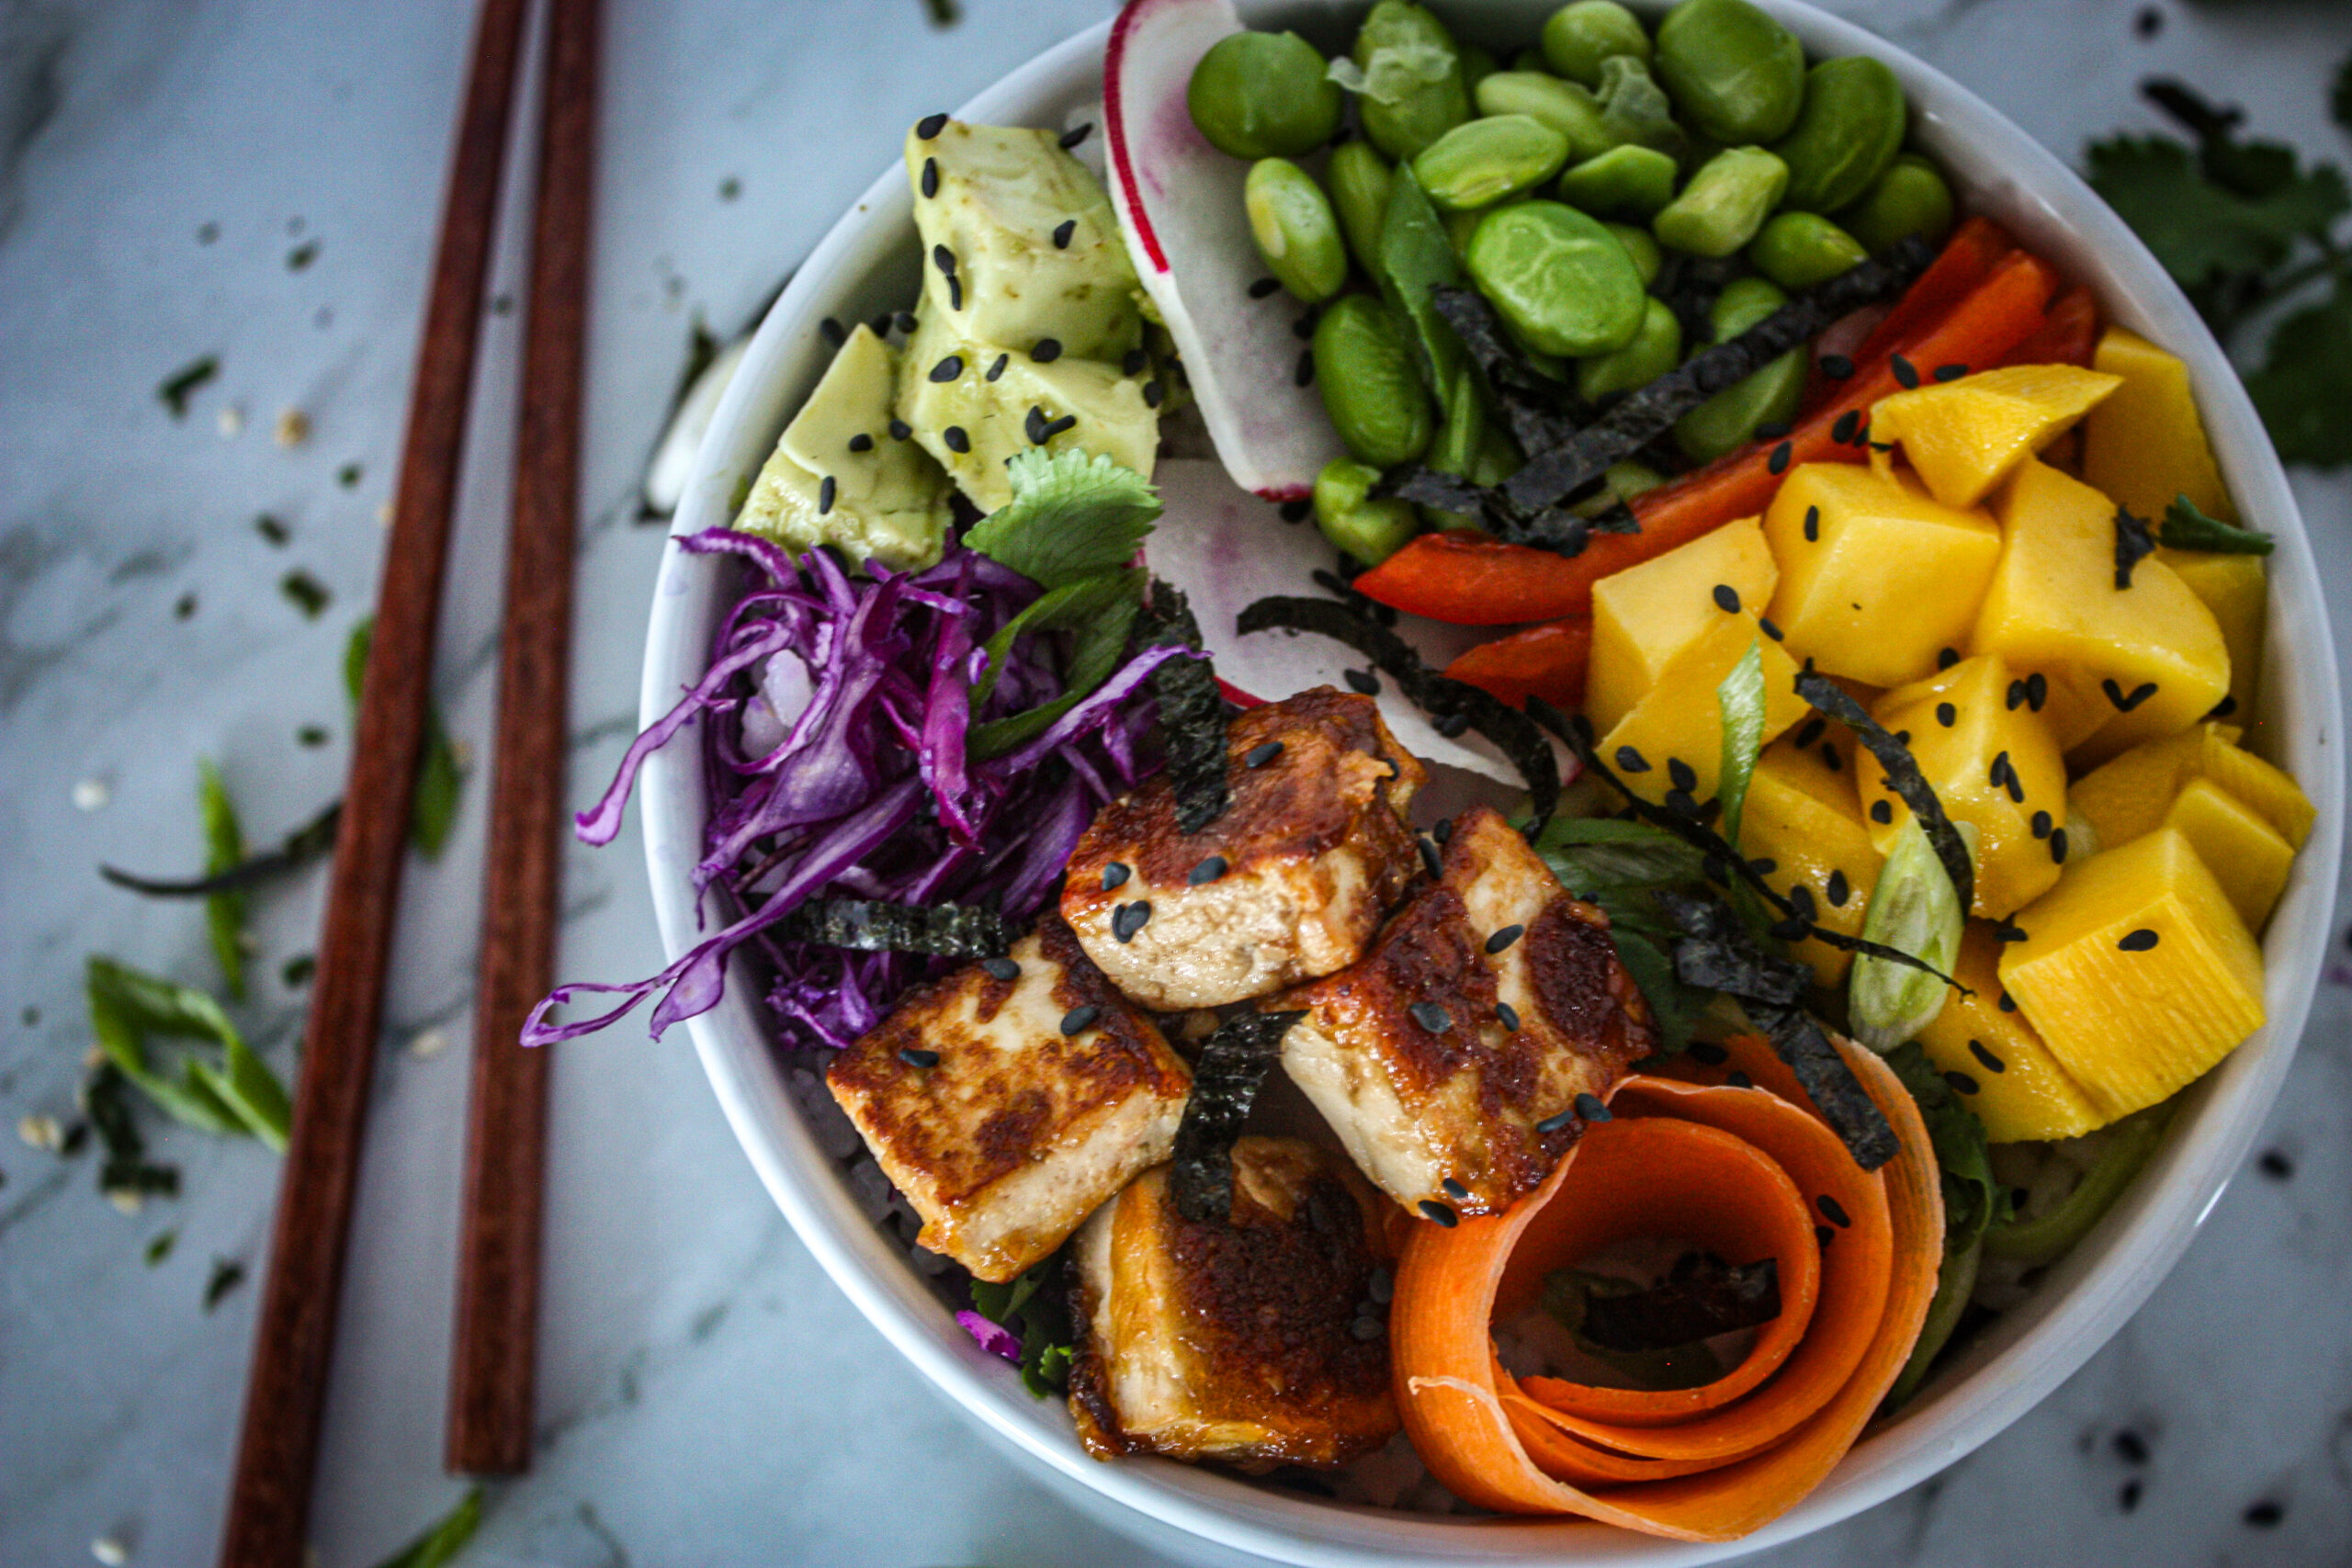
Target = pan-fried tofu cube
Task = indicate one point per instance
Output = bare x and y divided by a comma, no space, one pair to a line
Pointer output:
1010,1099
1257,1341
1289,884
1453,1059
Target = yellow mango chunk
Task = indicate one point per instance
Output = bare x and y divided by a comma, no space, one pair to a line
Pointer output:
2270,790
1875,576
2137,972
2020,1090
1992,762
2130,795
1963,437
2151,653
2144,445
1673,739
1804,817
2248,856
1644,616
2237,590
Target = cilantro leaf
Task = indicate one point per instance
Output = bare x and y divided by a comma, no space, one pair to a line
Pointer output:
1074,604
1073,516
1971,1199
1035,1307
2203,233
2305,384
2187,528
1102,644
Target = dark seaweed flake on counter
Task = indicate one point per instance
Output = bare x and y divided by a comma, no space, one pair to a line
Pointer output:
306,594
183,383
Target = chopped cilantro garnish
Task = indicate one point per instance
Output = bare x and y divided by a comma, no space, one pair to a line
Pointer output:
161,1248
182,384
2187,528
1073,516
306,592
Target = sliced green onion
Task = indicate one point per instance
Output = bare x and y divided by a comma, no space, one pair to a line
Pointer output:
1914,908
2048,1236
1741,699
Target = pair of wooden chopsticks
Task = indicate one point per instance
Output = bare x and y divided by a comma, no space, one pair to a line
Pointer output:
490,1426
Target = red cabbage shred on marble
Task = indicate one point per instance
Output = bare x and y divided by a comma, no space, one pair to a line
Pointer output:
868,791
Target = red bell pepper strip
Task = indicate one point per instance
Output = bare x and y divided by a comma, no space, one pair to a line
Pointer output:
1470,579
2068,335
1546,661
1966,260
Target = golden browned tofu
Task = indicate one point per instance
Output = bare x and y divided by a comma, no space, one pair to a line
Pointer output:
1450,1060
1010,1099
1257,1341
1289,884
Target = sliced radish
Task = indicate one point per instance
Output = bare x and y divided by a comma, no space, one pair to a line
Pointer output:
1225,548
1179,201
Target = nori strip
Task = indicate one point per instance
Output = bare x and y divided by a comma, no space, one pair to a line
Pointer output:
1688,285
2134,543
870,925
1702,1297
1424,687
1644,414
1233,1063
1540,412
300,848
1903,776
1555,528
1192,711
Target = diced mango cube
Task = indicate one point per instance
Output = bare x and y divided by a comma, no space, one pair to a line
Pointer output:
2144,445
1988,1052
1966,436
1992,762
1644,616
2130,795
2137,972
1673,739
2270,790
2152,652
1803,815
1875,576
2248,856
2237,590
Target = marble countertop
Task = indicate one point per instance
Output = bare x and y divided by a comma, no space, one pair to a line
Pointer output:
257,182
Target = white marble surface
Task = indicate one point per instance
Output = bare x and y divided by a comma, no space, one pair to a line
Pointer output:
707,1395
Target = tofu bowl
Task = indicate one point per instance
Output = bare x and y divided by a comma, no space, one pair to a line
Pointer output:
869,263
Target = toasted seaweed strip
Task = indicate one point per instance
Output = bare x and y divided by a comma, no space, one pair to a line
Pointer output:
1555,528
1645,414
1233,1063
2134,543
1702,1297
1191,710
1903,776
872,925
298,849
1688,285
1541,412
1423,687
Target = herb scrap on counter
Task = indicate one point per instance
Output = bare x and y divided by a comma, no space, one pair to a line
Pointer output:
227,1275
1233,1066
444,1539
182,384
225,849
308,842
238,1097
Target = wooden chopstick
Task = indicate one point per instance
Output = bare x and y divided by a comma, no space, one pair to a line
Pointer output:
269,1500
495,1352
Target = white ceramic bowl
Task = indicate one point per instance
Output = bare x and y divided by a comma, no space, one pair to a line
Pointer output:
869,263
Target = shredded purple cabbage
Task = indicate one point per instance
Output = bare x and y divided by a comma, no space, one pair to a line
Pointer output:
994,1338
867,792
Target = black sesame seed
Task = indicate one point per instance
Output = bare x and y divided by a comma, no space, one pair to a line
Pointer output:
1630,761
997,369
955,293
905,321
861,442
1264,287
947,369
1208,870
944,259
2042,824
2224,708
1304,328
2265,1514
2275,1164
1075,134
1058,426
2006,930
1905,371
1508,1015
1961,1082
1950,372
1062,232
931,177
1836,367
1364,681
931,124
1454,726
916,1057
1046,351
1737,1079
1848,423
2058,846
1838,889
1134,362
1779,461
1305,375
1833,1210
901,430
1079,1019
1772,429
1033,424
2130,1448
1433,1209
1153,392
1129,919
1115,874
1683,803
1682,774
2125,703
1810,731
1000,968
832,331
1504,937
1259,756
2009,1003
1431,1017
1453,1189
2037,691
1985,1059
1294,510
1766,625
1709,1053
2149,22
1554,1122
1800,900
955,439
1812,524
1947,714
2016,696
1947,658
1589,1109
2129,1497
1431,861
1822,1235
1881,812
825,495
1367,1328
1444,831
1829,758
2140,940
1726,598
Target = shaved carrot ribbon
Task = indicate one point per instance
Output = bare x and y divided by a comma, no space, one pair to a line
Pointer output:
1748,1173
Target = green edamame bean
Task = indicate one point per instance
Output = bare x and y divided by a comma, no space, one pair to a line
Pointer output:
1634,110
1477,64
1848,132
1358,178
1363,362
1729,418
1618,481
1353,521
1480,161
1577,38
1297,232
1631,182
1724,204
1561,280
1263,96
1735,73
1459,226
1656,349
1797,250
1909,198
1530,59
1638,244
1564,107
1412,79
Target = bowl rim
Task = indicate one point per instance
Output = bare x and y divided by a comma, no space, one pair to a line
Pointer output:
2086,1299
